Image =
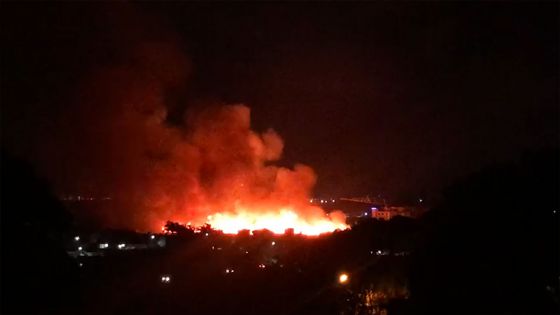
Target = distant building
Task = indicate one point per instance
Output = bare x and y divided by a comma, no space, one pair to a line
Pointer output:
387,213
382,215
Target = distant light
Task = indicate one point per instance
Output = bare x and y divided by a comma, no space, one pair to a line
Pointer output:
81,264
79,247
152,237
332,200
273,243
379,252
103,245
343,278
365,213
420,200
246,252
165,279
311,200
205,234
374,208
262,266
121,245
76,238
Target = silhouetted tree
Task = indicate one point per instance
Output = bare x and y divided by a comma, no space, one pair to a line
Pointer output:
492,245
37,276
179,229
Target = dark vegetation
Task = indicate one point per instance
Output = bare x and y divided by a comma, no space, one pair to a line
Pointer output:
37,276
490,247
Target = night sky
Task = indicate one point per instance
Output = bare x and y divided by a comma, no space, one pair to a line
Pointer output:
399,99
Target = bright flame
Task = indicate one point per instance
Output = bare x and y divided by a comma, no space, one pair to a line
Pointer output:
276,222
222,173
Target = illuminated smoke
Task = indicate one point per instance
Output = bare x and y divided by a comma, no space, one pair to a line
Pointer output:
218,171
212,168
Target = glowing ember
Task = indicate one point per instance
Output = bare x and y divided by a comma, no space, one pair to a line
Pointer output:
277,223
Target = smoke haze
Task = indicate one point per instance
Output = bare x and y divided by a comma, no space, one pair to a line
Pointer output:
118,138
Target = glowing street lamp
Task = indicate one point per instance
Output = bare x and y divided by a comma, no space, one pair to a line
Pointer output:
343,278
165,279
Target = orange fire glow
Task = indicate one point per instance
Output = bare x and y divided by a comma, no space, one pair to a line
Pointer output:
276,222
222,173
210,168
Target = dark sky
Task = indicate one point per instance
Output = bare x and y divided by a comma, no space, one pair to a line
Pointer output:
400,99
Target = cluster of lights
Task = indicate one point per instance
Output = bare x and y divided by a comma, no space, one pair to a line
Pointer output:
83,198
262,266
230,270
121,246
380,252
165,279
322,200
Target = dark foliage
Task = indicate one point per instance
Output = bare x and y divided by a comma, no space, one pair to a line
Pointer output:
37,276
492,246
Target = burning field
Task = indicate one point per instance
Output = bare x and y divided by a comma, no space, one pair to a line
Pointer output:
126,134
232,183
220,172
213,169
209,168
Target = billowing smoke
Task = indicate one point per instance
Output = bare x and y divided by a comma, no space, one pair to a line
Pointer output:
217,164
214,163
210,163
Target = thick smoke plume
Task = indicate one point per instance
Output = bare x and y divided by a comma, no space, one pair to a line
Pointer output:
214,163
210,163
